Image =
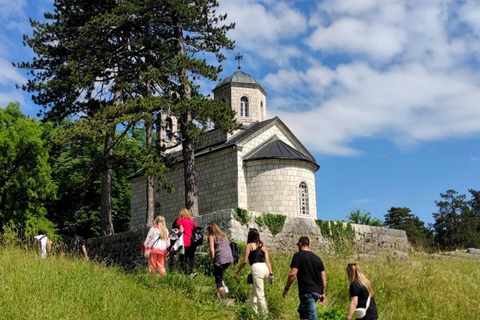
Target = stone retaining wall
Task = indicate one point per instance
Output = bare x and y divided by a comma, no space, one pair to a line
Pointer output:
372,240
125,248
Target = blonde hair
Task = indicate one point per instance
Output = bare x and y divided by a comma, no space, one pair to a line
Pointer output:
355,273
160,222
214,230
184,214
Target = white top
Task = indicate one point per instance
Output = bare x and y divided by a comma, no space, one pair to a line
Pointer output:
42,243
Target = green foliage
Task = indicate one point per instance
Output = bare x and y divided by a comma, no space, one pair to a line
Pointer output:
357,217
79,174
25,174
259,220
274,222
335,313
204,263
457,222
242,215
341,236
401,218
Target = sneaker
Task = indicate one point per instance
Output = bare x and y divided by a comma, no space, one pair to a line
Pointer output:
224,302
193,275
226,289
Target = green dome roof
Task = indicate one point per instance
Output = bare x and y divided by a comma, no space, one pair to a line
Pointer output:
239,77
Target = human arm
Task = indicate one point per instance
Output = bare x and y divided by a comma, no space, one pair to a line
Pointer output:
352,307
267,262
291,277
84,250
244,261
148,239
211,246
324,286
181,230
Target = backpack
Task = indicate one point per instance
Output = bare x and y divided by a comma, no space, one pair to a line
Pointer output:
235,252
197,236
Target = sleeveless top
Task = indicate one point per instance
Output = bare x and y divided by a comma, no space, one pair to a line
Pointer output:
223,253
257,255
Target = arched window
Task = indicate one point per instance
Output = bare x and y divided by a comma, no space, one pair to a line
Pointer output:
179,132
244,107
303,198
168,129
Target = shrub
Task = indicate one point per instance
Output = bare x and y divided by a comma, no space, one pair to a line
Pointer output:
259,220
242,216
274,222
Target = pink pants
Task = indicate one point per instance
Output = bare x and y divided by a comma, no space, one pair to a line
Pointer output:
156,262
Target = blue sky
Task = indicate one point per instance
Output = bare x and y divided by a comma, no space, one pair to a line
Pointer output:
384,93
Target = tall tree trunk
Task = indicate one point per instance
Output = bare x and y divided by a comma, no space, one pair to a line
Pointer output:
158,132
189,174
150,179
106,198
188,152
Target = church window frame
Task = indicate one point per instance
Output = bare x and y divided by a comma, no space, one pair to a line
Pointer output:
168,129
303,199
244,107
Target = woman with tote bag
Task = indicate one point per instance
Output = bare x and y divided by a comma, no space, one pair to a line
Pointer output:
362,301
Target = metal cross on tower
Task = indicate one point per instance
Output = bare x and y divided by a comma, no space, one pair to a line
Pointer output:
239,57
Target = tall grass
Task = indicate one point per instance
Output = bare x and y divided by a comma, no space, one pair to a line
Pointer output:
63,288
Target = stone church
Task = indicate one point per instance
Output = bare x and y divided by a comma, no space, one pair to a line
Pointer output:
261,167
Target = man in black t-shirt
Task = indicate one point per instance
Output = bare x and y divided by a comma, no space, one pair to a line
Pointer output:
76,246
308,268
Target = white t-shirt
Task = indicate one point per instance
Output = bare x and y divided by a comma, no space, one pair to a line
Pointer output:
42,240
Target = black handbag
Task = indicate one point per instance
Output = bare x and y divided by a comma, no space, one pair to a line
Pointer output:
250,278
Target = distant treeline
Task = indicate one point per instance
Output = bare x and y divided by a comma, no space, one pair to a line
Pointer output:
456,226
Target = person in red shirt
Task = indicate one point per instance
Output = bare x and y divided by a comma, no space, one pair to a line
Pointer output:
186,226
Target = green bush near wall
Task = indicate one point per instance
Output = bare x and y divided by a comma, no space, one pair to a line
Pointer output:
341,235
242,215
274,222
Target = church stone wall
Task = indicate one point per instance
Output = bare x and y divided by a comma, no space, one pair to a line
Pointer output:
273,186
371,240
138,203
211,138
217,188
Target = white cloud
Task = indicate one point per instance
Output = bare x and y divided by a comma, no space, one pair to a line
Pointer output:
261,27
406,74
375,40
12,9
470,14
12,96
9,74
362,201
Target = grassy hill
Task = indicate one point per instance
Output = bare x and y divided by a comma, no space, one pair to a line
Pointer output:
425,287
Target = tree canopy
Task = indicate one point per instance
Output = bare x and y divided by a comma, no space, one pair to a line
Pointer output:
25,173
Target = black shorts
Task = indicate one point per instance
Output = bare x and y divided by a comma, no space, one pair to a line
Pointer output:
218,274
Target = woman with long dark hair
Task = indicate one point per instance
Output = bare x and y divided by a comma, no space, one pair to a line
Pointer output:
256,254
221,256
361,294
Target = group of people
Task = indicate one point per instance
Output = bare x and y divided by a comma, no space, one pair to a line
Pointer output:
305,266
161,244
72,245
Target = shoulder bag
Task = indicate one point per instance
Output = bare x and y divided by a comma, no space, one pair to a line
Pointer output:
362,312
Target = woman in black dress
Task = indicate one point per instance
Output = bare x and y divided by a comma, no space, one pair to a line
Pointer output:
361,294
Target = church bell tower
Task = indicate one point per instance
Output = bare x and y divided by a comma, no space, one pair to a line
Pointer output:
245,95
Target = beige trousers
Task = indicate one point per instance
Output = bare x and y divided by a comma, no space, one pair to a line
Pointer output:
257,293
